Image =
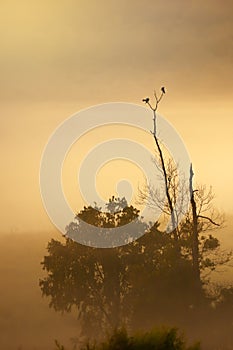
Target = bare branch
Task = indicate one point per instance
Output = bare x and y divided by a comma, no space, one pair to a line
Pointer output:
157,100
207,218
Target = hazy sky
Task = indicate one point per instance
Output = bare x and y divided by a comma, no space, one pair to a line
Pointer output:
58,57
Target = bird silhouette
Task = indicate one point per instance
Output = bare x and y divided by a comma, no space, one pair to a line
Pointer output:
146,100
163,89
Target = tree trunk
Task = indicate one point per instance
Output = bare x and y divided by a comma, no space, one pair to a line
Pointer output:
195,241
173,219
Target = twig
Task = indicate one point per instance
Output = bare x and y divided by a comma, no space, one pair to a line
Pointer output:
207,218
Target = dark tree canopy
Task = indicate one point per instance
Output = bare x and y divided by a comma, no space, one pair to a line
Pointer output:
138,285
159,278
94,280
118,285
117,215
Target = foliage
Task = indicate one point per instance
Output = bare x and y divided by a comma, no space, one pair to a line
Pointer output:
94,280
117,214
156,279
156,339
140,284
107,286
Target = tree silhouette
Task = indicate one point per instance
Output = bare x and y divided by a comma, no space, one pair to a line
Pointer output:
159,278
144,280
92,279
117,215
199,219
139,284
162,160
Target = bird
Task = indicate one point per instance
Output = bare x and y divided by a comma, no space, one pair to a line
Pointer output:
146,100
163,89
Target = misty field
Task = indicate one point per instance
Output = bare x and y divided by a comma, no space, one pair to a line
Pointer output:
26,321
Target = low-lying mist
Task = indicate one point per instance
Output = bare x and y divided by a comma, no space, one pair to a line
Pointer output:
27,322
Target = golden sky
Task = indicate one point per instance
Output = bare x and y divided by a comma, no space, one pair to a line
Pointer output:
58,57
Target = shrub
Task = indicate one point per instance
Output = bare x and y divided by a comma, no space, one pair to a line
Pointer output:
156,339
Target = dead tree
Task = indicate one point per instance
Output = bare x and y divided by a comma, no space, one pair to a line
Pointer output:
200,201
196,216
162,160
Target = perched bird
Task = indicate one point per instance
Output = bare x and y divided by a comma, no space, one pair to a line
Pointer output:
146,100
163,89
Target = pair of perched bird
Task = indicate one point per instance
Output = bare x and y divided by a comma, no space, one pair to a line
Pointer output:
146,100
